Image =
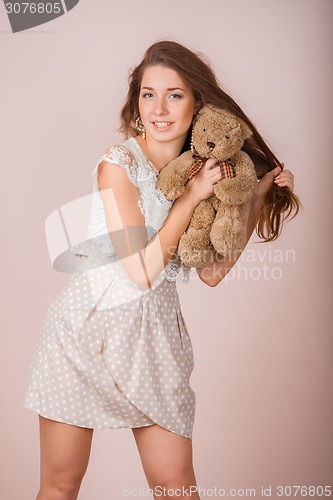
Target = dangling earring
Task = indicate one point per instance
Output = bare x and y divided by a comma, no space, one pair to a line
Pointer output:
140,127
193,150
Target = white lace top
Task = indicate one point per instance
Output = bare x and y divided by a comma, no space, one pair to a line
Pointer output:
152,203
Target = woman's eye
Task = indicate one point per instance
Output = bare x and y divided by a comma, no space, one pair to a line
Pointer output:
176,96
148,94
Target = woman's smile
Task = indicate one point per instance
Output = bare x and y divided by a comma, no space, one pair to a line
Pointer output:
162,126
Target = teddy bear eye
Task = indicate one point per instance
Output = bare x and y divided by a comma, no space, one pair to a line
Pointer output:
204,130
227,136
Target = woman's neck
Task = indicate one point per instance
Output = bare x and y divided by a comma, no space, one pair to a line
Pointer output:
159,153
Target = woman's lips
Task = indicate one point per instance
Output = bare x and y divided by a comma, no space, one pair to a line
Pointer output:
162,125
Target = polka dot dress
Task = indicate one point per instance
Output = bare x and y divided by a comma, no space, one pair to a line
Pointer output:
111,355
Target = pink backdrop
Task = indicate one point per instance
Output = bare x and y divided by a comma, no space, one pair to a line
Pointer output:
263,338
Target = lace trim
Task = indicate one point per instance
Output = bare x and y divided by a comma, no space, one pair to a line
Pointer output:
119,155
152,187
176,270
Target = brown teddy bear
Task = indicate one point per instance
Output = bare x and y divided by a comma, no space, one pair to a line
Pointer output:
218,224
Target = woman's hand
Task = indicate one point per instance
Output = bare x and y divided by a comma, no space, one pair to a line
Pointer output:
281,177
285,178
202,185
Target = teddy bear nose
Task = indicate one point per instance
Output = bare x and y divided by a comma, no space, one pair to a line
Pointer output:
211,145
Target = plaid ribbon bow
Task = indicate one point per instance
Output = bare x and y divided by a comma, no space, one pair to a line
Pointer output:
227,167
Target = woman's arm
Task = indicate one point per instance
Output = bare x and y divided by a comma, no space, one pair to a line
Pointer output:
144,261
214,273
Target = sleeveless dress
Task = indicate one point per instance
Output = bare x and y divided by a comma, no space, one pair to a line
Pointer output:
110,354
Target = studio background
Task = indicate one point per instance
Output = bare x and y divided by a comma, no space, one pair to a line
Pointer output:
262,345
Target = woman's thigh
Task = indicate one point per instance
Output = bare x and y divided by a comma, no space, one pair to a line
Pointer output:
64,451
166,457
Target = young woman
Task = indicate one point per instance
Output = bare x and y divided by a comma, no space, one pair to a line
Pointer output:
115,351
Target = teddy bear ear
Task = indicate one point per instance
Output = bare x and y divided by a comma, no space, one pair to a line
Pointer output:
212,107
246,131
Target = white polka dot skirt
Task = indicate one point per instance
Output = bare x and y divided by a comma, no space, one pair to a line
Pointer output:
109,357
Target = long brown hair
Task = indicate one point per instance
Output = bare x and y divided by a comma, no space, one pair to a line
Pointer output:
197,73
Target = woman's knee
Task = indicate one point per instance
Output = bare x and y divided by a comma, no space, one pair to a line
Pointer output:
59,489
65,451
172,481
65,482
63,479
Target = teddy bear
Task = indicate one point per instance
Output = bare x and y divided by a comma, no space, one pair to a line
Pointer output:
218,224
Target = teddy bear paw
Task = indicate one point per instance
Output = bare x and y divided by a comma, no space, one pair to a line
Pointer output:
228,236
198,258
195,251
171,188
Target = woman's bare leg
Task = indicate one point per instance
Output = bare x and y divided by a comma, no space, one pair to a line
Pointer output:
167,461
64,457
